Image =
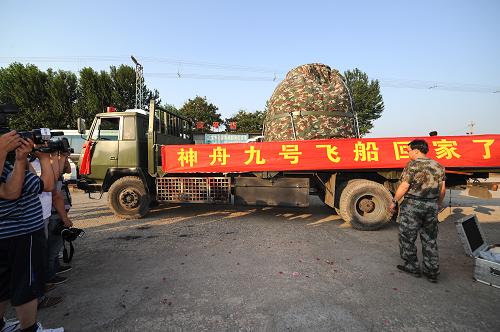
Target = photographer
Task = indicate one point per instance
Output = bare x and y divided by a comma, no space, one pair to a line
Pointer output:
22,236
11,189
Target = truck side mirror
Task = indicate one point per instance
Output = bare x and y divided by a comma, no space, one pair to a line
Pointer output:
82,128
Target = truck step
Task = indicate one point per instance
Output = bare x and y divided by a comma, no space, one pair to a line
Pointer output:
88,187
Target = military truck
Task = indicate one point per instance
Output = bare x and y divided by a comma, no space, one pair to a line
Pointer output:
126,156
144,157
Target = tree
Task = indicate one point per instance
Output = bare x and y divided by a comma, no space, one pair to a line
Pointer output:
155,95
123,95
25,87
198,109
94,93
247,122
54,99
172,109
123,84
62,94
367,100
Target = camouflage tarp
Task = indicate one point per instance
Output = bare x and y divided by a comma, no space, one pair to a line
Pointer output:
311,101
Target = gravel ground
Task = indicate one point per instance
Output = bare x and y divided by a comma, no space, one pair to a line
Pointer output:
218,268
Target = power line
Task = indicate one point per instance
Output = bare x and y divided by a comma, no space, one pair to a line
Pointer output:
171,61
179,75
274,75
211,65
403,84
433,85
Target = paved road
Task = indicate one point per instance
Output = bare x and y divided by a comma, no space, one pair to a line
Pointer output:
217,268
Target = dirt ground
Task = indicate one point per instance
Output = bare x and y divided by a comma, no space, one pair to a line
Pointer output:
219,268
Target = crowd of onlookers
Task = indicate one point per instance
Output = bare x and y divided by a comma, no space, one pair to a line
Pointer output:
34,205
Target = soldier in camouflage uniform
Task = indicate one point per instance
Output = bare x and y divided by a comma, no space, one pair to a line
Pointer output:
423,188
312,102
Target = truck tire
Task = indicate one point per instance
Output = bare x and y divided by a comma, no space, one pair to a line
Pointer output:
364,204
128,198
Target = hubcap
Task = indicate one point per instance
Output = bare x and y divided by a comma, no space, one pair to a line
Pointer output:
366,205
129,199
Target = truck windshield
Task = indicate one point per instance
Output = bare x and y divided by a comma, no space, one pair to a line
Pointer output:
106,129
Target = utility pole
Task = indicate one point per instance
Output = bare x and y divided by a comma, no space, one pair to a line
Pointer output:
139,84
471,128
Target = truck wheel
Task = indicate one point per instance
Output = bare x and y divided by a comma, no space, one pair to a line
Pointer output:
128,198
364,204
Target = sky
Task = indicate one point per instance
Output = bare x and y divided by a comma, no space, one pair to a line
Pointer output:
438,62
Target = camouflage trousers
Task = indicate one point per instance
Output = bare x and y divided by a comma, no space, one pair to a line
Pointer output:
416,217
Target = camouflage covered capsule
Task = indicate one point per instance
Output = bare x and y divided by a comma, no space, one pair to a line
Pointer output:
312,102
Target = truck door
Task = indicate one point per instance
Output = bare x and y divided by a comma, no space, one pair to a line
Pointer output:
106,137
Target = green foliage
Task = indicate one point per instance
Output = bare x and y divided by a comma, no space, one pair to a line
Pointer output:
54,99
94,93
198,109
123,87
368,102
246,122
25,87
171,109
148,95
62,93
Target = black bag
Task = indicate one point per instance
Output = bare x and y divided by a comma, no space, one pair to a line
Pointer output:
68,234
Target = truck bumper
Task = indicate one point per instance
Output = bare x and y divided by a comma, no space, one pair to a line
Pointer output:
88,187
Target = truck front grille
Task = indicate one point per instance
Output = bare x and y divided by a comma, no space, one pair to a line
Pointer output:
194,190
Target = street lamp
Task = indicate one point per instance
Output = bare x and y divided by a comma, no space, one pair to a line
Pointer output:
139,83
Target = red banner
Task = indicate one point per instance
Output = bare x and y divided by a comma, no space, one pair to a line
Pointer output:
472,151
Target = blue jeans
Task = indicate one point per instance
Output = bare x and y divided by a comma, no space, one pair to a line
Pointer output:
54,245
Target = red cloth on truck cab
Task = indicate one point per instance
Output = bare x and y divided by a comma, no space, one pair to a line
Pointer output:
85,166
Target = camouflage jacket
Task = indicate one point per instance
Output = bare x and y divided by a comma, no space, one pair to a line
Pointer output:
424,176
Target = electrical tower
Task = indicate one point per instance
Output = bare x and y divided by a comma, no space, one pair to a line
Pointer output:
139,84
471,128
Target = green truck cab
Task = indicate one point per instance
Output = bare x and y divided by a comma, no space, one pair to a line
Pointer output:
124,155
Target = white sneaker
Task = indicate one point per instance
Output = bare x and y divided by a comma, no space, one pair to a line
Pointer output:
10,326
41,329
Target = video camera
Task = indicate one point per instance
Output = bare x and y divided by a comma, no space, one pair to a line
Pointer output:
58,145
42,137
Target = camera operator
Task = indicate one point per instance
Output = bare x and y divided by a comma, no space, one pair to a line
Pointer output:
22,238
8,143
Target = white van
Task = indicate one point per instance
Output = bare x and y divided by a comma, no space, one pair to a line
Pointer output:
255,139
76,141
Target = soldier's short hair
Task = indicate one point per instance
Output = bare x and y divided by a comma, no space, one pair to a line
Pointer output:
420,145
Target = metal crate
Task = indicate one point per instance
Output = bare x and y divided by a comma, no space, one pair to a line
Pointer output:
472,237
194,190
